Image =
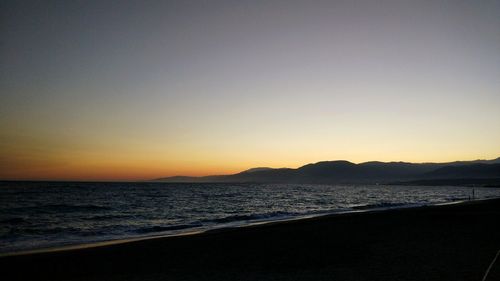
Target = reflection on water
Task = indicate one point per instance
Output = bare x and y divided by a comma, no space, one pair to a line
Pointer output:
44,214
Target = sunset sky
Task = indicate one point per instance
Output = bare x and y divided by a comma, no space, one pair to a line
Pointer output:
132,90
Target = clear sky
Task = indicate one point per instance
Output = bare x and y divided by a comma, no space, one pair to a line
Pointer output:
144,89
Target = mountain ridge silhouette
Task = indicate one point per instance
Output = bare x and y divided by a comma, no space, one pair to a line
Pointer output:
342,171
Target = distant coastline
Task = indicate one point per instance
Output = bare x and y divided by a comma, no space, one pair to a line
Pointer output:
478,172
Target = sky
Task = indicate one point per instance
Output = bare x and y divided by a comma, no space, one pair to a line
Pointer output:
132,90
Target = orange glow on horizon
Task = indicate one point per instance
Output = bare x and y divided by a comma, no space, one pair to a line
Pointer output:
157,94
93,171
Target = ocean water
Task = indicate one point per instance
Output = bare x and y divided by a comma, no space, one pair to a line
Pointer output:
35,215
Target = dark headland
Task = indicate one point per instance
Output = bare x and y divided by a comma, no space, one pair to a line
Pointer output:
451,242
479,172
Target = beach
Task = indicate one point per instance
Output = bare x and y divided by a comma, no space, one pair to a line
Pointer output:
448,242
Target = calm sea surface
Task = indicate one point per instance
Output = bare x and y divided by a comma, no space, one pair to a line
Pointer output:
37,215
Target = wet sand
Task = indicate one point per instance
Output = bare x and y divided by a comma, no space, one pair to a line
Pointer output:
452,242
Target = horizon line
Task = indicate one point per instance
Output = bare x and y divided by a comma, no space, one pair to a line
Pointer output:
217,174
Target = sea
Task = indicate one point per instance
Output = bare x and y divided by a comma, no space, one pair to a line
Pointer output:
44,215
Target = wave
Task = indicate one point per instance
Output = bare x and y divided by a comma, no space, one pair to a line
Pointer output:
158,228
380,205
223,220
105,217
58,208
250,217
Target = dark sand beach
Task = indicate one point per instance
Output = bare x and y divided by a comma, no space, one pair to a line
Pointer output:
451,242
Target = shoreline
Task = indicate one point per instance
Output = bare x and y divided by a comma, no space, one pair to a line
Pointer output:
455,241
257,223
334,213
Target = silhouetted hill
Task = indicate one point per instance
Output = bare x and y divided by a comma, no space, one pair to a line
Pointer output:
369,172
467,171
258,169
479,161
482,182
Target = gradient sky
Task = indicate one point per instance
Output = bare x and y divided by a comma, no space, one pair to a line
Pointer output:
143,89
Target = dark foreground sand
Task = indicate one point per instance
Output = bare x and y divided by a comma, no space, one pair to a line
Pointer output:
454,242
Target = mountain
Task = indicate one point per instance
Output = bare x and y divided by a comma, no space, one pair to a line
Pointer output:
369,172
258,169
467,171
